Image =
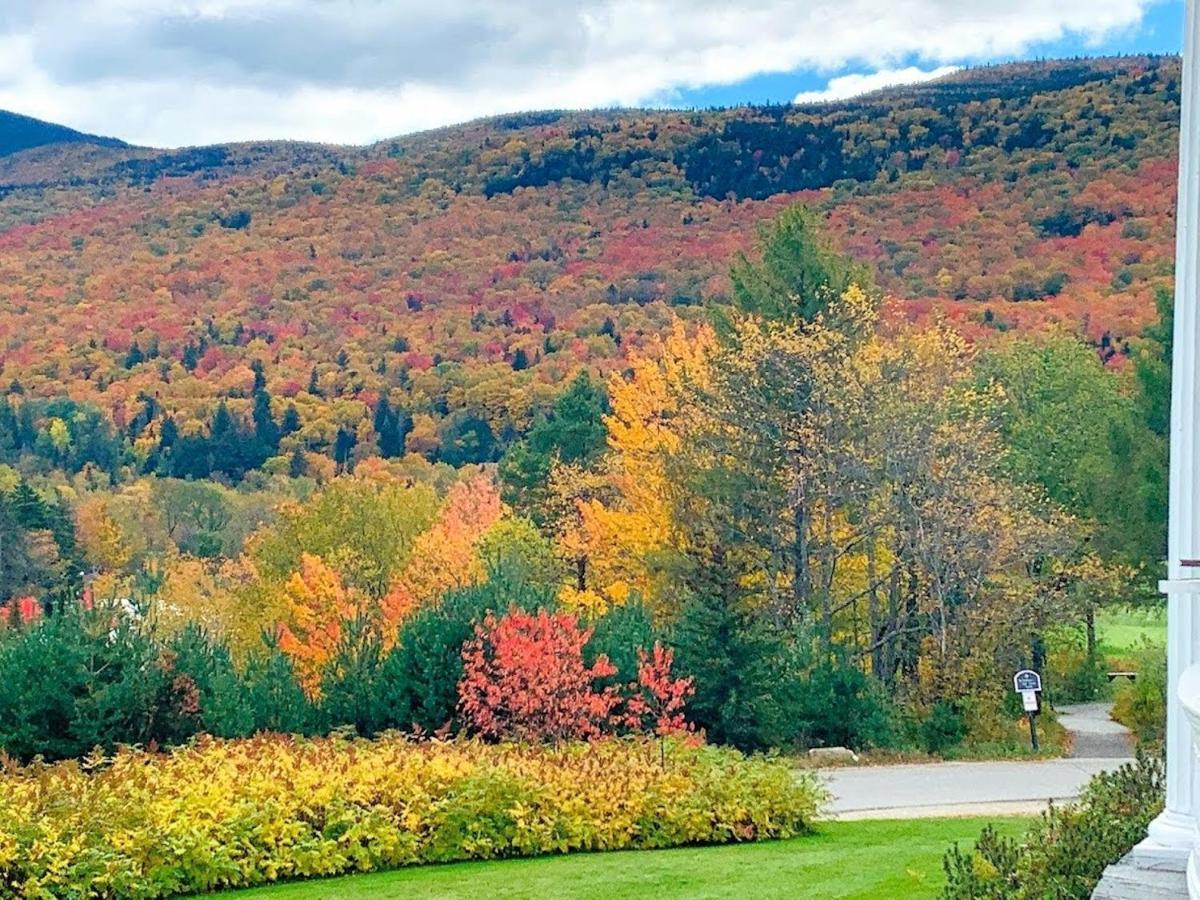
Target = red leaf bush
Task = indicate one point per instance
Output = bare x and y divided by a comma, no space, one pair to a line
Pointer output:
525,678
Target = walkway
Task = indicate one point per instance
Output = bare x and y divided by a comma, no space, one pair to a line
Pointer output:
1094,735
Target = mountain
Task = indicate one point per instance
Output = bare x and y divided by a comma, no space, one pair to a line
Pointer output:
467,272
19,132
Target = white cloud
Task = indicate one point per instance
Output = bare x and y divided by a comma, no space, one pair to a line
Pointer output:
846,86
172,72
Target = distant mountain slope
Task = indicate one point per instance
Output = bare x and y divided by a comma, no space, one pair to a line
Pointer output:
465,273
19,132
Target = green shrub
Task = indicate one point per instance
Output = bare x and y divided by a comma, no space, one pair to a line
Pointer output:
1064,854
1141,705
839,705
71,682
1072,674
943,729
75,681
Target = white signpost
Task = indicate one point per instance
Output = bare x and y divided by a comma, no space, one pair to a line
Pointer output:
1028,684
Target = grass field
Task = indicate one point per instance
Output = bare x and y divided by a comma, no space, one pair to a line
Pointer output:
1125,629
868,860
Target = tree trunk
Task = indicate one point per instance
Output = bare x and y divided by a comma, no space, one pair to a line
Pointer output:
873,613
912,616
827,565
801,580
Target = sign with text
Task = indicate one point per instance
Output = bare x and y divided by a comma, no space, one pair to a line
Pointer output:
1027,680
1029,701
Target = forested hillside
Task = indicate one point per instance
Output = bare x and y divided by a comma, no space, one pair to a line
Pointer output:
158,308
785,427
19,133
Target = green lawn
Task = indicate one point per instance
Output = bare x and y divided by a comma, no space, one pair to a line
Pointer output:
1125,629
884,860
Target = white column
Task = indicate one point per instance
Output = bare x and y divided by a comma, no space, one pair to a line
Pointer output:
1175,829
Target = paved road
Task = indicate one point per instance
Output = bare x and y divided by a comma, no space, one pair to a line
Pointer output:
958,788
983,788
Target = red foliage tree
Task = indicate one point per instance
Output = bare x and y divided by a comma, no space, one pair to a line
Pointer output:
21,611
524,677
657,700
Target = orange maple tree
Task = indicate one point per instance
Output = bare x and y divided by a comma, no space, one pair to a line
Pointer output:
317,606
21,611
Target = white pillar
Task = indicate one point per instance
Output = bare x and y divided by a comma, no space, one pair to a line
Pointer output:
1175,829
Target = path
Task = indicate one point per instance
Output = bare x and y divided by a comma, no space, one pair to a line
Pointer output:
1094,735
983,788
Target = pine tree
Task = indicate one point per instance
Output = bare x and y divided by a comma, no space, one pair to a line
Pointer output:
227,443
297,465
191,356
134,357
167,434
343,446
29,510
266,431
573,432
291,421
799,274
260,377
391,428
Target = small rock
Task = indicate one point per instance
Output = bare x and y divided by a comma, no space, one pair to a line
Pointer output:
833,755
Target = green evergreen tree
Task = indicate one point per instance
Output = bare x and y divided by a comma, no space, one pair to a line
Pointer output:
260,376
572,432
798,273
134,357
297,464
266,430
291,421
226,443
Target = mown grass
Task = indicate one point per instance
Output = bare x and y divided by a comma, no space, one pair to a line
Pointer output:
1122,629
873,860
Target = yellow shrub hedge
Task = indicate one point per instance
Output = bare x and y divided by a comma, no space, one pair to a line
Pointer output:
235,813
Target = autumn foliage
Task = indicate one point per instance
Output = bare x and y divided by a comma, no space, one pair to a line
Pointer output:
525,677
22,611
318,608
225,814
148,289
656,702
445,556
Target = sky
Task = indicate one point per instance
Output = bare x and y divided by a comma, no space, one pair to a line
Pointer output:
171,73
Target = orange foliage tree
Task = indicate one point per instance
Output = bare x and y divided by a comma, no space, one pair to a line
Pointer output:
446,556
317,606
657,700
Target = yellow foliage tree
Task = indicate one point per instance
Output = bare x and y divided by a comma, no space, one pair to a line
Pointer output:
619,537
